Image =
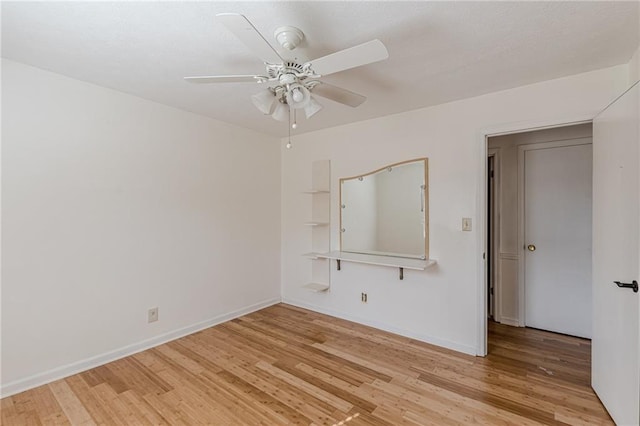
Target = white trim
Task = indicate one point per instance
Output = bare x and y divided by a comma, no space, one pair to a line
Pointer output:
57,373
513,128
481,307
509,256
495,252
510,321
522,149
506,257
481,203
616,99
470,350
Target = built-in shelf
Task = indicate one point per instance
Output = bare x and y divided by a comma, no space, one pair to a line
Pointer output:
401,263
317,287
312,255
319,226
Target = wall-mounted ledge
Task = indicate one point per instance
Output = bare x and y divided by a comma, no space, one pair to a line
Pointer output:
395,262
316,223
317,287
311,255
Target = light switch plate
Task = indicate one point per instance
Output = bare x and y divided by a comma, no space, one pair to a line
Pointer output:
466,224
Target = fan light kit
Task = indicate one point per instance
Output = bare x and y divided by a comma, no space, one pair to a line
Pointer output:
292,85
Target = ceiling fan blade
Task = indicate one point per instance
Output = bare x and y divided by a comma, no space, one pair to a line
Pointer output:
362,54
338,94
240,26
227,79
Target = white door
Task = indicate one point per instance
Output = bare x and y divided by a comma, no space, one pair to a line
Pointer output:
615,371
557,236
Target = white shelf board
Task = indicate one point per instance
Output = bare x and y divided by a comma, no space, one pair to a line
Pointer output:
317,287
370,259
316,191
312,255
316,223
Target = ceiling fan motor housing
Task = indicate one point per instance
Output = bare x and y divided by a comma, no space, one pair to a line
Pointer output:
288,37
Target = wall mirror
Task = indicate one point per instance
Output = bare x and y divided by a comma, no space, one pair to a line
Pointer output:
384,212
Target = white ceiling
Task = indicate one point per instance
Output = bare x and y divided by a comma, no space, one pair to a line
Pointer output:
438,51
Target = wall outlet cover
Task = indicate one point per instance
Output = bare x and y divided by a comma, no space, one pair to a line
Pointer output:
152,315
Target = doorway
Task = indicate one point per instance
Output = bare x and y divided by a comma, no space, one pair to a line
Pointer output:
539,234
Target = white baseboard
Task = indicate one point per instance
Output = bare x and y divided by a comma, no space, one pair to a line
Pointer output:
57,373
509,321
470,350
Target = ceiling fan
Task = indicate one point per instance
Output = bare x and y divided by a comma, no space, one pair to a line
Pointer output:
291,84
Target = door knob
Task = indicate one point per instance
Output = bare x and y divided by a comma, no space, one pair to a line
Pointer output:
531,247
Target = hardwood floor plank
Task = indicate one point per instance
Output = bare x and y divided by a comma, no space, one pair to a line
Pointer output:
264,402
115,382
73,408
316,410
302,385
47,407
479,411
397,416
167,411
328,383
285,365
383,395
8,412
242,398
119,413
93,406
546,397
133,399
362,360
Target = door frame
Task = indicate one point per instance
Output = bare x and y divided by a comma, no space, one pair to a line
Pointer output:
494,256
522,149
481,205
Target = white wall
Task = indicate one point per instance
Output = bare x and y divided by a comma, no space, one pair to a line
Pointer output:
439,305
507,174
634,67
112,205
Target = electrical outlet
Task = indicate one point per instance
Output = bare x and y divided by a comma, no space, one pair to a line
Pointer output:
152,315
363,297
466,224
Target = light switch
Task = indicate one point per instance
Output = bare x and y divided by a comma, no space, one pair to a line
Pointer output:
466,224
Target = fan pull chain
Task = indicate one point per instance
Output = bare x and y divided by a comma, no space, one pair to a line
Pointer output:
288,145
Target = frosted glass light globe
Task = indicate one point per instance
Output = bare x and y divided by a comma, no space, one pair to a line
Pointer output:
297,95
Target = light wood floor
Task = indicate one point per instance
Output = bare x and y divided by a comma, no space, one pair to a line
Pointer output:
285,365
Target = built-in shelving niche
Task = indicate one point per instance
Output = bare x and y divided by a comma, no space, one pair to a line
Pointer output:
319,195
